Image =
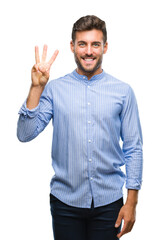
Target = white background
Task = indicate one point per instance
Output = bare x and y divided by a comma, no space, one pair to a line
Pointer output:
133,56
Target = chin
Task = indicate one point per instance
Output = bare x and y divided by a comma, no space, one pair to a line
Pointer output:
90,70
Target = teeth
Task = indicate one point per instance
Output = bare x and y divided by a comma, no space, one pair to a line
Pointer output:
89,59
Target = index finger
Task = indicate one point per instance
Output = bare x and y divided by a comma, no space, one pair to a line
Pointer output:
37,54
123,231
53,57
126,228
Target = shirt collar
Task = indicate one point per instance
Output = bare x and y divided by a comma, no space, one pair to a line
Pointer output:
85,79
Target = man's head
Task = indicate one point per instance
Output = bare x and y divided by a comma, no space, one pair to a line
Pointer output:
87,23
89,43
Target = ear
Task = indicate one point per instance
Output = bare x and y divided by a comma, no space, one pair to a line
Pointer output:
72,46
105,47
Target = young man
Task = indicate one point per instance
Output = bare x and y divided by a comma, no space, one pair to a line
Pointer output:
91,111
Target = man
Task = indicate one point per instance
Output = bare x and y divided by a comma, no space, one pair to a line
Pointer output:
91,111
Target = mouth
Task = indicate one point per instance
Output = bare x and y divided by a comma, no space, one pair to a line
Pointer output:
88,59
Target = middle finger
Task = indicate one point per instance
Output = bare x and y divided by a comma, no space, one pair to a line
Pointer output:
44,55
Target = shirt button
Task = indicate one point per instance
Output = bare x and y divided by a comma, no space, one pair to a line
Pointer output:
91,178
89,121
89,103
88,86
90,160
89,141
84,77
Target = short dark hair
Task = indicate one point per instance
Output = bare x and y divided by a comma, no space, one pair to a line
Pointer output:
89,22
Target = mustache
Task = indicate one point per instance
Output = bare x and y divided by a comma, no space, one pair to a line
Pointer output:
89,56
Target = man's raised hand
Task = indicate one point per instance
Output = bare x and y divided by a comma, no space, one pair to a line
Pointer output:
40,76
41,69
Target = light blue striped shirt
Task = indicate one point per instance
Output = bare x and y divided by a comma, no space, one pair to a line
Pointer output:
89,119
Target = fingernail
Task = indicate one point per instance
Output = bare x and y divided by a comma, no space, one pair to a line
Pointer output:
116,225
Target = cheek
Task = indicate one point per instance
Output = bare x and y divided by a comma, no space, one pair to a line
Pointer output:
79,55
99,52
80,52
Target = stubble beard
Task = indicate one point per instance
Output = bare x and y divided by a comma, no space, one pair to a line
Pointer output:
85,70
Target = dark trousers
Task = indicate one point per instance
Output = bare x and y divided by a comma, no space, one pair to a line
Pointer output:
72,223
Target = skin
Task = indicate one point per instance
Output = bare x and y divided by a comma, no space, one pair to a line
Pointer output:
89,45
128,213
88,50
40,75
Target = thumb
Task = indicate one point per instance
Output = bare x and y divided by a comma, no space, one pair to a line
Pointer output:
119,220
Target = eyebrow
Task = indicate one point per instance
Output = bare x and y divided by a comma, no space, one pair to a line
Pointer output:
97,42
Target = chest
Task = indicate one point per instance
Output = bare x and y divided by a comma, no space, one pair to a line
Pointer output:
77,102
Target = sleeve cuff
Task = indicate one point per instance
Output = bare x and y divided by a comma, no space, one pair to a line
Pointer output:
133,184
27,112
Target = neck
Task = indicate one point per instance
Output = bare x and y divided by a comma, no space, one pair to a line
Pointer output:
89,75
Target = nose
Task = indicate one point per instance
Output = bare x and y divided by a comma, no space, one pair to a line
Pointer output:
89,49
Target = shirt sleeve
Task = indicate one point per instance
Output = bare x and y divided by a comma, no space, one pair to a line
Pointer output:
131,135
32,122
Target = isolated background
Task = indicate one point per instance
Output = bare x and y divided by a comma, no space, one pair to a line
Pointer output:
133,56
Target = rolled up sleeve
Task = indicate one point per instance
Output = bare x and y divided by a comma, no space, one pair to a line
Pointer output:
131,135
32,122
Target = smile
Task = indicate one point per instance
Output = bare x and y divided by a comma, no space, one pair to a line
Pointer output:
88,60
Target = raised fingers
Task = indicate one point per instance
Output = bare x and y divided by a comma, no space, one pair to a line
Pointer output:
53,57
44,54
37,54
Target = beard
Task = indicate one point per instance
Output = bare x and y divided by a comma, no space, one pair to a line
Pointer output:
85,69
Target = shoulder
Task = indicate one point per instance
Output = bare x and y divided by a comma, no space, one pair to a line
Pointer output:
118,84
110,78
52,83
56,83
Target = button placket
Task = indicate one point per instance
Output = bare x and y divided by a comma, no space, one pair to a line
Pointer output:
89,128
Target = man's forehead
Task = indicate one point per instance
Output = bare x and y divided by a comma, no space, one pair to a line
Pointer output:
93,35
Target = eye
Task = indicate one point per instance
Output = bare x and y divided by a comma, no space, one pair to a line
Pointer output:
81,44
96,44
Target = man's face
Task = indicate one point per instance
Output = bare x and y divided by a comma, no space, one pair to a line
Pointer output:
88,50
